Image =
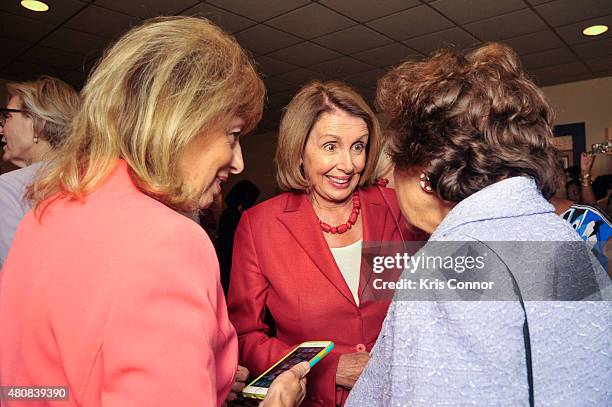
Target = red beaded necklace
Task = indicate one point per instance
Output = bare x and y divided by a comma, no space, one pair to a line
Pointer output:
349,223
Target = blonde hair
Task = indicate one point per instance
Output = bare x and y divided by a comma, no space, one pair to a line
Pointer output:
301,115
162,84
50,102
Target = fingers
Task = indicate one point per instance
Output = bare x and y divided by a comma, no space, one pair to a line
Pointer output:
302,391
230,397
301,369
242,374
238,386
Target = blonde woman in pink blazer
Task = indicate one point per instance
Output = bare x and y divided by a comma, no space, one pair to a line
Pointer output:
108,290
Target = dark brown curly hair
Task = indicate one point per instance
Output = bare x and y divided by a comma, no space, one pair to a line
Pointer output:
470,120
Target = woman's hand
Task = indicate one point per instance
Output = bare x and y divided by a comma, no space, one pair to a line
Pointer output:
242,374
350,367
289,388
586,163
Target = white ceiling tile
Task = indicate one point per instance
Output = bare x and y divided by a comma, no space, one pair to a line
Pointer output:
147,8
572,33
467,11
300,77
451,38
259,10
270,66
411,23
507,26
23,29
54,57
304,54
75,41
366,79
537,2
59,11
559,79
600,64
367,94
594,49
103,22
534,42
11,49
572,68
353,39
341,67
261,39
365,10
280,100
548,58
23,71
226,20
75,78
311,21
563,12
387,55
275,86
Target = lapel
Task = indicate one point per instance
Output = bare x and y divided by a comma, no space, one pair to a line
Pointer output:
301,222
377,227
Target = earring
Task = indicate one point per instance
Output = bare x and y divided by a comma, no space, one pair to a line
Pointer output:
425,183
35,139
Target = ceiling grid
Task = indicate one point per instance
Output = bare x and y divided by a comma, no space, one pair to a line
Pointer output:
294,41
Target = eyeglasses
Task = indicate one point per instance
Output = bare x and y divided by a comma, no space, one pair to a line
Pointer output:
4,112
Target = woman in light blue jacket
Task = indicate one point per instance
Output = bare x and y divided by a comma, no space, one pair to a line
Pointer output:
474,166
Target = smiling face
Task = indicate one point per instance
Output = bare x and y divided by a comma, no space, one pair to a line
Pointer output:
335,155
209,158
18,134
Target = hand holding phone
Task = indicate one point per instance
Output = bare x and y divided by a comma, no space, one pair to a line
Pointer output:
242,374
289,388
310,352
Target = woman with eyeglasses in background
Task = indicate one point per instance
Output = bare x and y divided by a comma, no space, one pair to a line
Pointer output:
32,125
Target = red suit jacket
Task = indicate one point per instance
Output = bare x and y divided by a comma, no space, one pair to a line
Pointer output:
281,261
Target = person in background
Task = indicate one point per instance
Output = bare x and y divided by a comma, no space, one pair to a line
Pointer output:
573,190
588,219
208,218
120,299
32,125
384,168
471,140
241,197
297,256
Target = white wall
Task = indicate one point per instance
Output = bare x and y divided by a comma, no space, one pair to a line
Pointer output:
589,102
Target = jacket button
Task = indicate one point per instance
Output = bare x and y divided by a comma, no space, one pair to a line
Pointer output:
360,347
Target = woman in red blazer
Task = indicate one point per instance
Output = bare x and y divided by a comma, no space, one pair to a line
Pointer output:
298,255
108,290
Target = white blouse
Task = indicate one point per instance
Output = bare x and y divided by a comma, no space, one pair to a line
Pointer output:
348,259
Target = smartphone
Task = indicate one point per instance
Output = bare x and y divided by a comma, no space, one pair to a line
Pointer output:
311,351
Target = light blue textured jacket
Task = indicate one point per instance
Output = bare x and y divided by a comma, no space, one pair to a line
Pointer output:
452,353
13,205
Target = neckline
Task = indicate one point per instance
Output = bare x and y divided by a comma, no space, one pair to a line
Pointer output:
350,246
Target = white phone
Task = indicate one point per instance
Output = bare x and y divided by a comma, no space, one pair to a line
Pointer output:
311,351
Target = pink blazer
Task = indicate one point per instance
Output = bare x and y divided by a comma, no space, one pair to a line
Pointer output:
282,263
118,298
